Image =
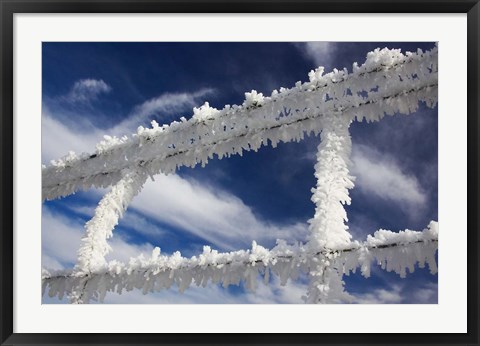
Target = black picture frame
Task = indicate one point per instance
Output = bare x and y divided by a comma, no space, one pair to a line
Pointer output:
9,7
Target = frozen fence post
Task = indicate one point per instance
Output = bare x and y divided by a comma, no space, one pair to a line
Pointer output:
328,231
91,255
327,228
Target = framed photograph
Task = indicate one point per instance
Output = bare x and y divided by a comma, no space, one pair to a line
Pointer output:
178,172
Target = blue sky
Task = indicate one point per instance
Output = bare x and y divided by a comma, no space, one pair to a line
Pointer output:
92,89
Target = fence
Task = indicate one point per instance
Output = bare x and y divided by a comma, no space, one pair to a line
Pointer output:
389,82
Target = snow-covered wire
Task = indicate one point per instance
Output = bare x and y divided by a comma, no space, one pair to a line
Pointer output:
388,82
393,251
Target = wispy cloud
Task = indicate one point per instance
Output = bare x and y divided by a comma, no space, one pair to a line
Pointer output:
212,214
381,296
142,225
122,250
275,293
61,239
87,90
166,106
58,138
209,213
321,53
425,295
382,176
131,220
400,294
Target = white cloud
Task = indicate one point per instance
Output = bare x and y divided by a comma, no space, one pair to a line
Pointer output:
61,239
141,225
130,219
86,90
381,296
123,251
275,293
427,294
400,294
214,215
51,263
381,176
84,210
167,105
58,138
321,53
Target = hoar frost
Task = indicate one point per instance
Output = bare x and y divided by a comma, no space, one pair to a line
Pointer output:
157,272
388,82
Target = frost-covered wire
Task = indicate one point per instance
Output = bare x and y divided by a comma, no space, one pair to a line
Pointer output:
388,82
397,252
